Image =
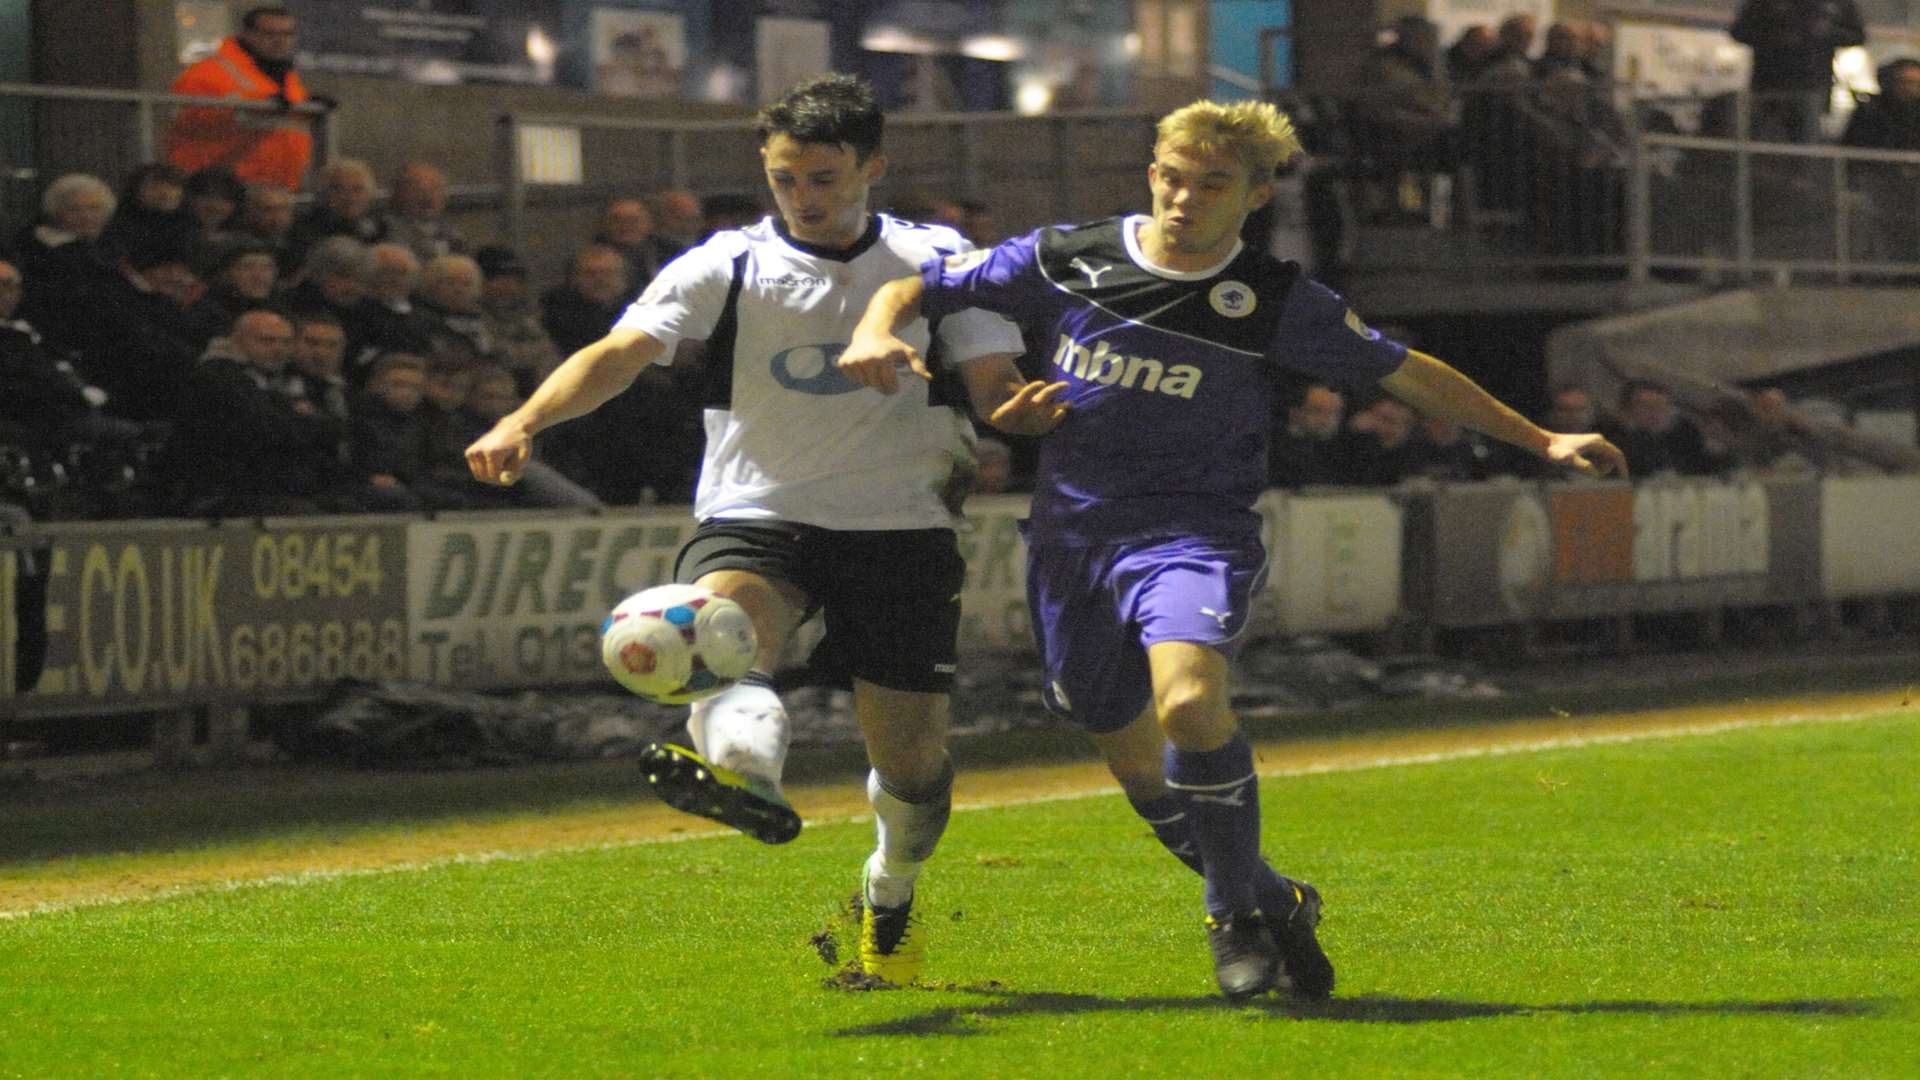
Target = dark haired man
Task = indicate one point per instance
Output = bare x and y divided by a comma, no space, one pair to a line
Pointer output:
261,147
815,493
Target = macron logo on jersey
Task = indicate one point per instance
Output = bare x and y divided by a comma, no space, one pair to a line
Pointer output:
1100,364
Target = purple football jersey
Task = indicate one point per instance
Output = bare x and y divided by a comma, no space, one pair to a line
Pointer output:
1170,375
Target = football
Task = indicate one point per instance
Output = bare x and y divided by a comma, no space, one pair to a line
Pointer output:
676,644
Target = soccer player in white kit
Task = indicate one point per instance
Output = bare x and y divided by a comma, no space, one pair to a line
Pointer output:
816,493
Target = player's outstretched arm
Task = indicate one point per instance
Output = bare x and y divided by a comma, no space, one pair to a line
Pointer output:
588,380
1007,400
876,353
1434,388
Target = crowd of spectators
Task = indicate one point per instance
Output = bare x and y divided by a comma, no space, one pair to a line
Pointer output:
215,343
1538,126
240,357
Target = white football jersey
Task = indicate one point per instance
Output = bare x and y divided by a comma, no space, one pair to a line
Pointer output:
789,436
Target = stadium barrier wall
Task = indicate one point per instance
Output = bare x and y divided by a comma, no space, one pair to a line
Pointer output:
158,615
1499,553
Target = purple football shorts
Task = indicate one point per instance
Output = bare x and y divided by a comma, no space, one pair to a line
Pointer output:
1096,609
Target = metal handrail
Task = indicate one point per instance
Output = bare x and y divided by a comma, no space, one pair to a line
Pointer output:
326,133
514,190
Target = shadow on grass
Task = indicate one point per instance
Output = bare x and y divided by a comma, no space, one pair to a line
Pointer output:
1363,1009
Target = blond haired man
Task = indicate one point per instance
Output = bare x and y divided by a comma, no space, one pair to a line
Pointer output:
1144,548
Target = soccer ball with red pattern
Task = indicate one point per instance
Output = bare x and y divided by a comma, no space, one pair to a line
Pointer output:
677,643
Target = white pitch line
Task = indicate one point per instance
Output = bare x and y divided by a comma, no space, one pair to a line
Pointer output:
1386,761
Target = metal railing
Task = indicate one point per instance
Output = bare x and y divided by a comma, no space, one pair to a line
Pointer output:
109,133
1591,180
1067,158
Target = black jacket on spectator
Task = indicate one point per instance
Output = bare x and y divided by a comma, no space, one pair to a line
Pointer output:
215,313
136,345
241,447
374,329
1883,123
454,335
573,321
1793,41
39,391
1294,462
1680,449
387,441
318,223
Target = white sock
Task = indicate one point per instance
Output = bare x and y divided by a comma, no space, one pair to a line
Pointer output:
744,729
909,825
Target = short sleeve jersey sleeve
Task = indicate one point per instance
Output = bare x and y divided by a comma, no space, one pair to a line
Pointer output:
1004,279
1320,336
685,300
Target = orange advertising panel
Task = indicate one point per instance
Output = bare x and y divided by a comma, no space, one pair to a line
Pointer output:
1592,535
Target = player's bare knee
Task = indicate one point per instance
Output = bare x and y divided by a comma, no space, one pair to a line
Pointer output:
1194,718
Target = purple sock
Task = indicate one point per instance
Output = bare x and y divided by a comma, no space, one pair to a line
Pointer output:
1168,818
1221,796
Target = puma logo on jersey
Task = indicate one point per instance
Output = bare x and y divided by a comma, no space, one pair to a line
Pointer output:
1093,272
1102,365
1218,616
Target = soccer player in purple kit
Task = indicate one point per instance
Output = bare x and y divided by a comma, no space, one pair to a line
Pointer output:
1144,548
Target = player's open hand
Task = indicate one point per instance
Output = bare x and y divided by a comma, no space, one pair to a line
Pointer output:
876,361
1589,455
1034,409
498,456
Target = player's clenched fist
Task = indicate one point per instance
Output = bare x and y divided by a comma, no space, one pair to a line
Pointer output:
498,456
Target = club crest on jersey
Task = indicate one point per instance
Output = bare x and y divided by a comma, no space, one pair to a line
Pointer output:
1232,299
1102,365
964,261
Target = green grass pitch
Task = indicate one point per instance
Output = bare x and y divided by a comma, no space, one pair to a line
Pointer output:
1734,904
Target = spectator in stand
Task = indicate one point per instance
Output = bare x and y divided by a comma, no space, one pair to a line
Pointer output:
627,228
343,206
1302,451
1565,54
513,318
256,65
992,467
150,203
240,277
490,396
1569,411
1472,53
334,278
1655,437
317,373
447,305
128,325
678,222
1443,450
1513,60
580,312
266,215
977,224
1793,43
241,445
1405,117
389,443
387,320
1376,449
1597,50
42,396
212,197
724,212
62,251
1890,120
416,214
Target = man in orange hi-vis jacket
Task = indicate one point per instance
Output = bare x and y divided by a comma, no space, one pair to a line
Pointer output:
263,147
